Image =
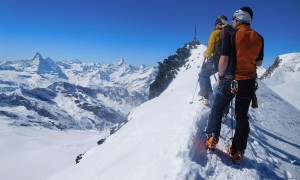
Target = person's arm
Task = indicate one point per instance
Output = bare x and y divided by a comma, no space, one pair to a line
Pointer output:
223,62
211,44
260,57
226,51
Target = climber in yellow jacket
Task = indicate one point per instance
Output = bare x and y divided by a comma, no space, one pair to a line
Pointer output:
211,58
213,41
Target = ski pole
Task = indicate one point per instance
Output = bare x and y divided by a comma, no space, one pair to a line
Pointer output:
215,77
194,92
205,58
231,106
197,82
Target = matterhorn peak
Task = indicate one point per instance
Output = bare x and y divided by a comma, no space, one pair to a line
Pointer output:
38,56
37,59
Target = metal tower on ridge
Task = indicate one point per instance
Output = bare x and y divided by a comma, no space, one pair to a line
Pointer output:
195,40
195,37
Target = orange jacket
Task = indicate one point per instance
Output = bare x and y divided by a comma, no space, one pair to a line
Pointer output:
249,49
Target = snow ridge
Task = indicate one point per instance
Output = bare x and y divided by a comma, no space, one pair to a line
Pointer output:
163,139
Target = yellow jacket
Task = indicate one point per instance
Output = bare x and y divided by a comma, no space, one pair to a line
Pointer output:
212,43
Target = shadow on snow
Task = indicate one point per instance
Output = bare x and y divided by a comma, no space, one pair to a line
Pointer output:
199,154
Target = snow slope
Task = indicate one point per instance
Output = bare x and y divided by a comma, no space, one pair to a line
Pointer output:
260,71
34,153
163,139
285,79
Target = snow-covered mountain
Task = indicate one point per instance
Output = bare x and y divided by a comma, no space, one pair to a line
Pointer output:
120,74
71,95
260,71
283,77
39,72
163,139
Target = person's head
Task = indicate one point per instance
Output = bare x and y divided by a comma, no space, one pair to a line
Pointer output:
221,20
243,15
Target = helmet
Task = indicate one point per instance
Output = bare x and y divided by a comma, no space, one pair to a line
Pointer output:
243,15
221,20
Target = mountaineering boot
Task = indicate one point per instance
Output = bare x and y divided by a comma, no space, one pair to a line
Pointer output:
224,117
254,102
205,101
211,143
236,156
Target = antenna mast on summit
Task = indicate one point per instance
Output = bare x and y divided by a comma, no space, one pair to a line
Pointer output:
195,31
195,40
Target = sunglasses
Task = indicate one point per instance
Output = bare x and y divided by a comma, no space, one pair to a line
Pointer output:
233,18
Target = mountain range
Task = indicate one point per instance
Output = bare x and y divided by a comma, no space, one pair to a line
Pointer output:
160,138
71,94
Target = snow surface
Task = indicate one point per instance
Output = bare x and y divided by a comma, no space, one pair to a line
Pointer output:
163,139
260,71
29,153
285,79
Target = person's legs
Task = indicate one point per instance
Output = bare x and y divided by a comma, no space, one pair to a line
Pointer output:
243,99
222,100
239,142
204,83
226,109
204,78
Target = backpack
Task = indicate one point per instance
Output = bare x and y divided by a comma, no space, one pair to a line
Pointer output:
219,46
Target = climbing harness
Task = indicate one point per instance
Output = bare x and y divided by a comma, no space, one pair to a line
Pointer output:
231,107
234,87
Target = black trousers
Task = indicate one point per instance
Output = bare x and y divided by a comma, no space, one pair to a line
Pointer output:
246,90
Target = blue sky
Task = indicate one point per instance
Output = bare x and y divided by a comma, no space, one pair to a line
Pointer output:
139,31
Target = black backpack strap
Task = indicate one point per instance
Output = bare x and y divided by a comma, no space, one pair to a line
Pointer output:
222,32
233,54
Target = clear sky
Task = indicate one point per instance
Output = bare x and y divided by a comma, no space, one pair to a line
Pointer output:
139,31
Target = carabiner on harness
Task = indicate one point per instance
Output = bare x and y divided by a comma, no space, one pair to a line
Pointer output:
234,87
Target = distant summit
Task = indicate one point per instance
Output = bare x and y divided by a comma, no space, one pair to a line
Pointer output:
120,62
37,56
37,59
283,77
47,66
285,63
